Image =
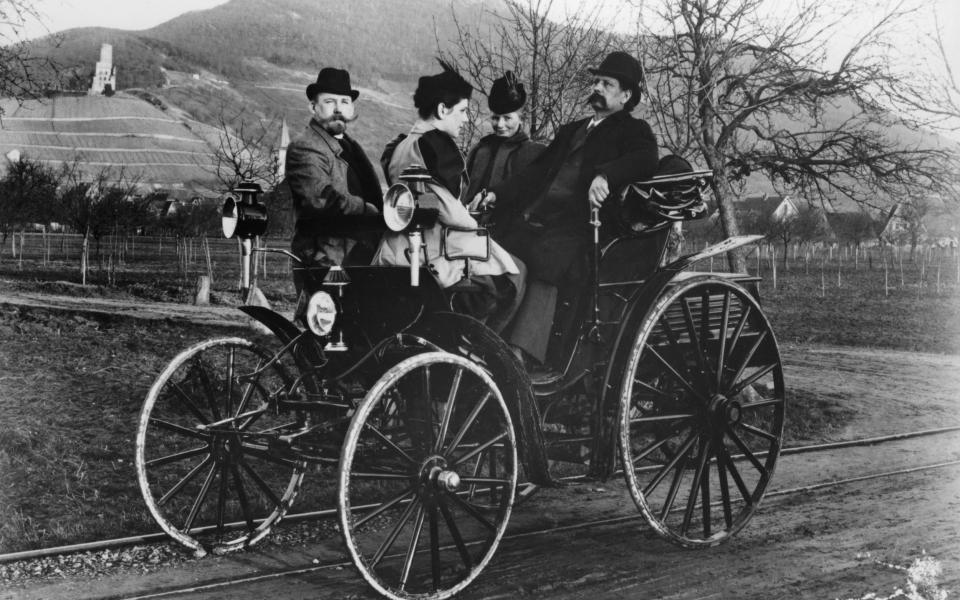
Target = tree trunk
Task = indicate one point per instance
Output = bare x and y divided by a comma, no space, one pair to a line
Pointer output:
728,221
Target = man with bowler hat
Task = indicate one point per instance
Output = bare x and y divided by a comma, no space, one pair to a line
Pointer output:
543,212
331,180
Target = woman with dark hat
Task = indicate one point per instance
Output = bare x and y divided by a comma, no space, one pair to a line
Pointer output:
508,149
441,101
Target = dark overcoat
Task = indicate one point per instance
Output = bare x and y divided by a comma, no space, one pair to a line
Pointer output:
495,159
326,211
622,148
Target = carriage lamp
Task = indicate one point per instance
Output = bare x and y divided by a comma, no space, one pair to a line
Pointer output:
406,208
244,217
321,313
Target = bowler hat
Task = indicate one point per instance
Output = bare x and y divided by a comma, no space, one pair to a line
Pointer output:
625,68
332,81
506,95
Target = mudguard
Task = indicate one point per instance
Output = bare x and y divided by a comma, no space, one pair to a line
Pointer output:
307,353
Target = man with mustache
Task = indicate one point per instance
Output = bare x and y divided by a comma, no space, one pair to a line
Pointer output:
543,212
331,180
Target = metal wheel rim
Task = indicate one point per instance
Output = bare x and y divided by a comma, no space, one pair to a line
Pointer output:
733,525
348,454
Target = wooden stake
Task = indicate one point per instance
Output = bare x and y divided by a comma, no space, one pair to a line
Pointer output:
886,279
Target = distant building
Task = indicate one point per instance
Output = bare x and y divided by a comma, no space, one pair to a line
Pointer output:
105,73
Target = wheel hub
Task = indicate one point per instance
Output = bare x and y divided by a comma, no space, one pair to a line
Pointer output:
436,477
724,410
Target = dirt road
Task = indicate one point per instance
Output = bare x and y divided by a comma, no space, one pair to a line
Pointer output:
844,541
841,542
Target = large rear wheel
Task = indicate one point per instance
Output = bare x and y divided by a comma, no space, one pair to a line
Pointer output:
427,477
701,411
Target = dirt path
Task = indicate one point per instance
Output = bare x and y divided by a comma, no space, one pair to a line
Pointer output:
824,544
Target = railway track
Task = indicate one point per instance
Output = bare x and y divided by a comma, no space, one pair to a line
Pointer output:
112,544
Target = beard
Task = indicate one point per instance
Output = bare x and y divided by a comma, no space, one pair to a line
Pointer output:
596,100
336,123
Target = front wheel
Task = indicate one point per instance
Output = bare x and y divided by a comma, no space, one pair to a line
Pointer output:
428,476
207,455
701,411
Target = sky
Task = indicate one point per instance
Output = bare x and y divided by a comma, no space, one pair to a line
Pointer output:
58,15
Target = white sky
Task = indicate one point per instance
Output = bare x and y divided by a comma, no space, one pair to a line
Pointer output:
58,15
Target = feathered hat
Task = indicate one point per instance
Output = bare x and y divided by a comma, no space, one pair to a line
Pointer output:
506,95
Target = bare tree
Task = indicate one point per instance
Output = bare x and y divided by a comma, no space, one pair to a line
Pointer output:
27,193
23,75
854,227
95,205
912,214
246,149
548,51
745,92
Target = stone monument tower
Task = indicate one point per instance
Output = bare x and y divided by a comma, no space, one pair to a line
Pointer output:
105,73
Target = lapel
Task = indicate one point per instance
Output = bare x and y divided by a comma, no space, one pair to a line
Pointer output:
332,143
578,136
603,133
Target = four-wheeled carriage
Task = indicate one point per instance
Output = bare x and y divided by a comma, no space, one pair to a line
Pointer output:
672,377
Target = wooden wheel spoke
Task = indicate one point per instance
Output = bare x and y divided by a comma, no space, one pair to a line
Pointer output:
672,464
735,338
695,489
242,497
480,448
746,359
472,511
434,548
653,447
493,481
737,479
260,483
759,432
222,499
183,482
389,443
380,475
188,403
752,378
208,389
448,410
762,403
393,535
662,418
384,507
263,454
674,488
705,498
198,502
673,372
455,534
250,386
649,388
412,547
468,423
746,451
228,400
721,355
158,462
724,487
672,339
695,342
174,428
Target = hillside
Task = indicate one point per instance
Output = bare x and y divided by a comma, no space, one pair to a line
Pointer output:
154,148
